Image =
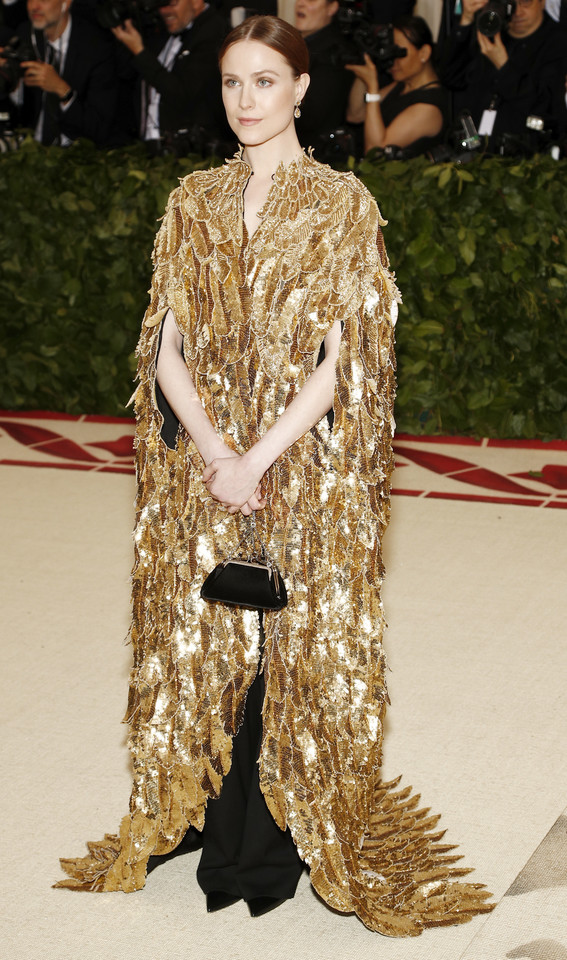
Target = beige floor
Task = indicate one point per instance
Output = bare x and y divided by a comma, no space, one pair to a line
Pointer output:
476,605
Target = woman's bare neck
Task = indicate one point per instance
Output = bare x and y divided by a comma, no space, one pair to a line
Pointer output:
425,76
265,158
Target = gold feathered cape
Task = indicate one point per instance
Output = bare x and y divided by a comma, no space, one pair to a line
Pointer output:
253,315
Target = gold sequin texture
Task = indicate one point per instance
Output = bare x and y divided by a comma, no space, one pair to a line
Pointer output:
253,316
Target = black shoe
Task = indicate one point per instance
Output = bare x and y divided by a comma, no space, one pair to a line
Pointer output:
258,906
218,900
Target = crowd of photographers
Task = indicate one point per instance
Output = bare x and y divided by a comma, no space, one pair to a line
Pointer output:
115,71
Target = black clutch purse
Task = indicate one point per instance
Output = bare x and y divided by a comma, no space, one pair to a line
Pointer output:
252,581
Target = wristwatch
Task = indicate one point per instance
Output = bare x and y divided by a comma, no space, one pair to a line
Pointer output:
66,97
373,97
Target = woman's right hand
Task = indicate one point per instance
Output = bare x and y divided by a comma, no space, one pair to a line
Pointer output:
366,72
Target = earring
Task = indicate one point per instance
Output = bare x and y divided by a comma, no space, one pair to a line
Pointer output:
297,111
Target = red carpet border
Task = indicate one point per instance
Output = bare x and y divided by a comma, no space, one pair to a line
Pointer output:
523,472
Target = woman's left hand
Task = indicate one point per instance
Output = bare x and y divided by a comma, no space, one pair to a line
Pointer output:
366,72
235,483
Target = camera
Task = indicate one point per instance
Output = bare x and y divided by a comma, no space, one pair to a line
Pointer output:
461,142
540,136
143,13
336,146
15,52
9,141
365,36
494,16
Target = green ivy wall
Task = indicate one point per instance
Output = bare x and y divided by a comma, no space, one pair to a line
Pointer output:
480,253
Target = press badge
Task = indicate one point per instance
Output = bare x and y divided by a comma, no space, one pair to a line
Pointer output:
487,123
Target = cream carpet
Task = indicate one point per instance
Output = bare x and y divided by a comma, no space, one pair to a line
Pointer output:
476,603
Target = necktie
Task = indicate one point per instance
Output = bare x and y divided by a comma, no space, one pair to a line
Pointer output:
51,130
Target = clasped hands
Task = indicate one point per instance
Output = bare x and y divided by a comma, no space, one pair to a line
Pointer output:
233,480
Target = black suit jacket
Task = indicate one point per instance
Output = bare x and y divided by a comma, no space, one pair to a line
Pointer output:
191,90
89,70
325,103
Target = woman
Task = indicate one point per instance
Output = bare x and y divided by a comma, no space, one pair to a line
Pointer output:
411,112
258,264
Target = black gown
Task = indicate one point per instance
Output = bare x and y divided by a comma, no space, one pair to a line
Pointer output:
244,852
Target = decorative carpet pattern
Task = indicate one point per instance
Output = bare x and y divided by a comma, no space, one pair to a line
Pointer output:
476,603
525,472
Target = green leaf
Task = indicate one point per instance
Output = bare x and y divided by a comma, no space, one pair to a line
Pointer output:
46,351
480,399
13,265
467,248
71,288
68,201
446,263
428,328
425,257
431,172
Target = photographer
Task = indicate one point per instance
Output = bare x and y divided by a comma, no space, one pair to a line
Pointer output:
68,89
180,82
324,106
506,62
411,112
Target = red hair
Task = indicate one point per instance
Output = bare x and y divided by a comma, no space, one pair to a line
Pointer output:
274,33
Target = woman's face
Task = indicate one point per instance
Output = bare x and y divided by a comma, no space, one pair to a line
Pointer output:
259,91
404,68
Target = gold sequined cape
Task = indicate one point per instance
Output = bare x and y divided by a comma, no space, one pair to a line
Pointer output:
253,314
